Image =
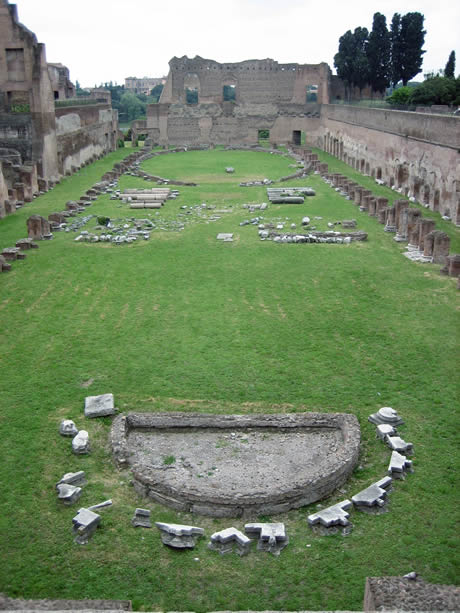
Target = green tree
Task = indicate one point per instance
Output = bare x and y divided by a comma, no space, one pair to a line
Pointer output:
395,51
351,59
437,90
412,37
401,96
449,70
131,106
344,60
378,54
156,92
361,61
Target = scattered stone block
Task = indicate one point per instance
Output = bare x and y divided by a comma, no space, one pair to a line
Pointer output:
99,406
141,518
225,540
69,494
384,430
373,497
179,536
452,266
77,478
85,524
101,505
399,465
37,227
226,237
10,254
349,223
26,243
398,444
68,428
80,443
229,170
272,537
331,519
386,415
4,265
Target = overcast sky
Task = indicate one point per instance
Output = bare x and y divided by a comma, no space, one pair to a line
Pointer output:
108,40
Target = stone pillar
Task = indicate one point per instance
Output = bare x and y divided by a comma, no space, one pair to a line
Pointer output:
358,191
399,206
425,226
452,266
390,219
429,244
413,215
42,184
372,206
38,227
12,195
27,180
414,231
441,247
381,203
365,202
19,187
382,214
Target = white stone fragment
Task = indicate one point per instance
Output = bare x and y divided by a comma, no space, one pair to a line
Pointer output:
68,428
272,537
179,536
332,516
374,495
99,406
398,444
399,465
80,443
384,430
68,494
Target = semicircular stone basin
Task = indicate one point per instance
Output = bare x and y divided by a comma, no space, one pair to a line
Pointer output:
234,465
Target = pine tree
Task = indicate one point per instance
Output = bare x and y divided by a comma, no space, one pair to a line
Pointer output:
378,54
412,37
449,70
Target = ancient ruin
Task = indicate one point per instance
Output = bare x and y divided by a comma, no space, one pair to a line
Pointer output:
205,103
205,463
40,141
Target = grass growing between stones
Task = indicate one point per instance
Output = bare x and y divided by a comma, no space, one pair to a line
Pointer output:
184,322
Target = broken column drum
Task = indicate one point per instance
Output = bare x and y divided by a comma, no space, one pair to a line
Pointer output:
205,463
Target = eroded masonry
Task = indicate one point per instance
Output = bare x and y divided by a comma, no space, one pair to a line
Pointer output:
208,103
44,131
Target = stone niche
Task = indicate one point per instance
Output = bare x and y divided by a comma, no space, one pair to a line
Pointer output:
236,465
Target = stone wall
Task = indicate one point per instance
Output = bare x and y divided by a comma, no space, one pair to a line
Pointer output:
255,81
47,142
265,93
84,132
415,153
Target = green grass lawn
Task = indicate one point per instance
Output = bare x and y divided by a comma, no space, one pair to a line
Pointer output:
184,322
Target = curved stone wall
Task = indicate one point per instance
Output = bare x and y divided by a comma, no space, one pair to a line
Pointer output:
233,465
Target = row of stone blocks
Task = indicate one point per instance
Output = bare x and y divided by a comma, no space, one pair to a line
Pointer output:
404,221
24,190
39,228
10,254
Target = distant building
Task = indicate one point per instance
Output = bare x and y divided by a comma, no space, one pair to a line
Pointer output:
144,85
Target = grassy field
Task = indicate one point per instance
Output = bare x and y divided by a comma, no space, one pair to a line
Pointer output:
184,322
